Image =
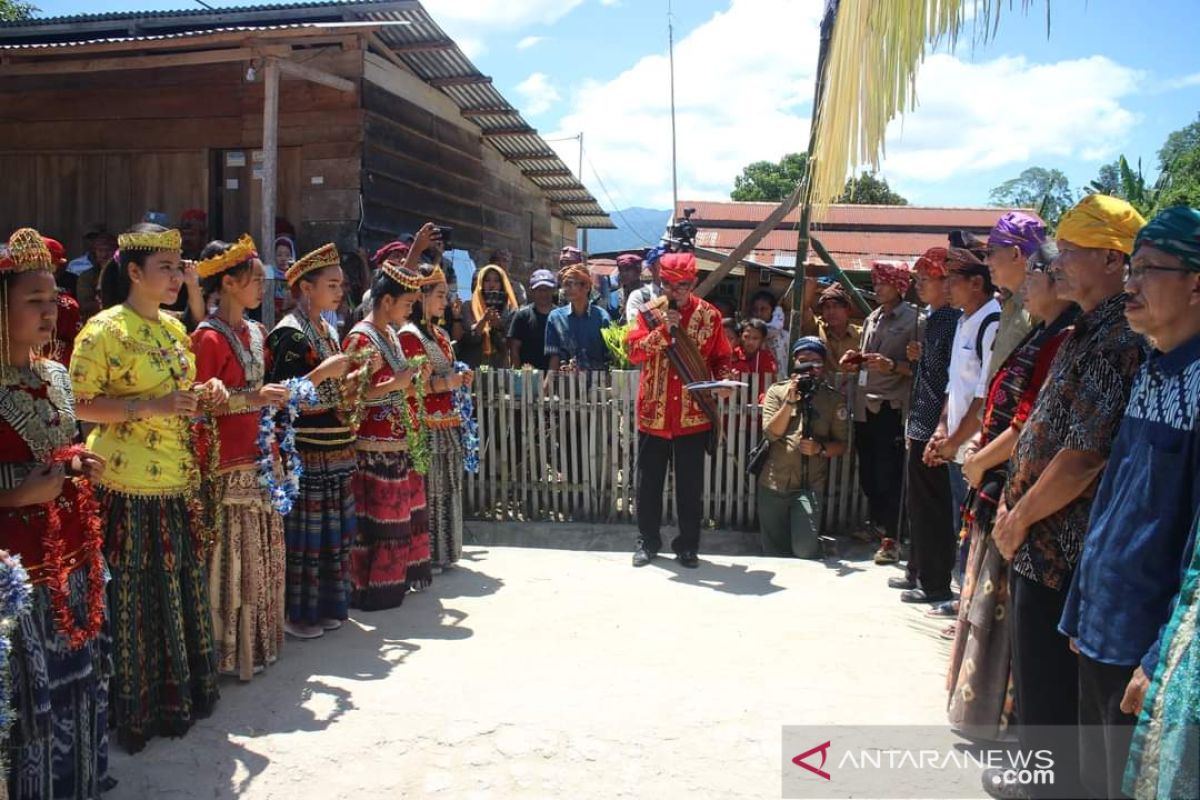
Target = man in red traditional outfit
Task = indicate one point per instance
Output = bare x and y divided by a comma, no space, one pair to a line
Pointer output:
673,424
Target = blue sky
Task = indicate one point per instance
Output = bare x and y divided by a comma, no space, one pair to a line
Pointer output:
1110,79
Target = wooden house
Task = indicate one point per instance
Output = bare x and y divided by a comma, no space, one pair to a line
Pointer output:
352,121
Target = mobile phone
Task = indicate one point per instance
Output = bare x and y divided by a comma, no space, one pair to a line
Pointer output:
856,361
444,234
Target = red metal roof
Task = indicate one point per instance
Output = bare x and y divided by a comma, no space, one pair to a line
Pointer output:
840,215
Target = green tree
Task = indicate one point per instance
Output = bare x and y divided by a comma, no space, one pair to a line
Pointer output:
1178,143
1048,191
768,182
11,10
1182,187
867,189
1107,181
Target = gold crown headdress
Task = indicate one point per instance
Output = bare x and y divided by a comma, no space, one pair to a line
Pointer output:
26,252
242,250
324,256
142,240
411,279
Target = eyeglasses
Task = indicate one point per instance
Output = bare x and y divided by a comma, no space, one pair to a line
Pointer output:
1136,272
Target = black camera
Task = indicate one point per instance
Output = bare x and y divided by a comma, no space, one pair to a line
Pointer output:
805,377
444,234
682,235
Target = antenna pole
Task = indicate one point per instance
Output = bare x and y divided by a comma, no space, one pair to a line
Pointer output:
674,168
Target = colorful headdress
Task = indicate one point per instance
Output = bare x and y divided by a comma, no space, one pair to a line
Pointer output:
1018,229
677,267
570,255
324,256
242,250
1175,230
893,273
408,277
933,263
1101,222
169,239
629,260
577,272
26,252
58,253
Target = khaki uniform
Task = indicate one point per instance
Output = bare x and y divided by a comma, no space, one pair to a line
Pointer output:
789,509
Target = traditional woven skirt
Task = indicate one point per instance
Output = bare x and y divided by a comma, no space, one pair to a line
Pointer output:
318,534
443,490
391,549
164,659
246,577
979,680
58,746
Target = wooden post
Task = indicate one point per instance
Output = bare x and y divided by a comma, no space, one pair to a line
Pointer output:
798,299
270,148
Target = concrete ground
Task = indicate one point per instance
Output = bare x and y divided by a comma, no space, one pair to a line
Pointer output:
565,674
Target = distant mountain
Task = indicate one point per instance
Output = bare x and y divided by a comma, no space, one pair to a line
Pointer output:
636,227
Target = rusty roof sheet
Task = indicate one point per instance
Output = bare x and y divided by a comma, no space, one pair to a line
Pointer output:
403,25
947,218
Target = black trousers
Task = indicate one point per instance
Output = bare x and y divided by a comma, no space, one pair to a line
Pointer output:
879,443
655,454
1045,683
1105,731
930,523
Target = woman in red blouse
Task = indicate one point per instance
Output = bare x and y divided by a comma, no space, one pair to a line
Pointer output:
59,663
422,336
246,567
750,357
390,554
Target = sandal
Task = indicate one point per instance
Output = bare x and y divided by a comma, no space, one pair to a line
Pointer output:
950,631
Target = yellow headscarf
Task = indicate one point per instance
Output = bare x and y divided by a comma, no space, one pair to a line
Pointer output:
1102,222
480,308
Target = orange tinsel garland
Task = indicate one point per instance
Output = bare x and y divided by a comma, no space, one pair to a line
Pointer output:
59,574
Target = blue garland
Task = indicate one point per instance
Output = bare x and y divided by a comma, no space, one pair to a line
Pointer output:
300,390
465,407
15,595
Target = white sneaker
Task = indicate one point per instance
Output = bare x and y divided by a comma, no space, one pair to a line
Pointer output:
330,624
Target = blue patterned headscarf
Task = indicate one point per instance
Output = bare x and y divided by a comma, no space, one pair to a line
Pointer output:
1176,231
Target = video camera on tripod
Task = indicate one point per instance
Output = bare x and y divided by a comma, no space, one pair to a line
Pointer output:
804,376
681,237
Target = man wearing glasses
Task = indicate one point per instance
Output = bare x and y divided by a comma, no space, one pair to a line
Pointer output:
1060,454
1139,538
672,423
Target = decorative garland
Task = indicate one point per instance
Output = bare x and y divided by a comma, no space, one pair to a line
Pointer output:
352,405
465,406
15,594
416,430
57,571
300,391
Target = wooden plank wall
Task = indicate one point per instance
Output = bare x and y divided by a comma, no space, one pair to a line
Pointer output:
568,452
81,148
420,164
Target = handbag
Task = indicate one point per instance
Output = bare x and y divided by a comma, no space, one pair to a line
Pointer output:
758,457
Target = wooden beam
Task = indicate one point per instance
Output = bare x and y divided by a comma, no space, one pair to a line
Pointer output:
458,80
747,244
305,72
545,156
382,48
270,168
485,111
133,62
495,133
424,46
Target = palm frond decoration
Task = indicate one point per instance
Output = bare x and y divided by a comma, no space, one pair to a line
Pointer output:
614,339
870,76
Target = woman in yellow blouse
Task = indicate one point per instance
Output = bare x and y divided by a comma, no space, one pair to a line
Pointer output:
133,373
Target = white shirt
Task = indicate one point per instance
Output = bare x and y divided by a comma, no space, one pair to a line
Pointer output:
638,300
78,266
965,364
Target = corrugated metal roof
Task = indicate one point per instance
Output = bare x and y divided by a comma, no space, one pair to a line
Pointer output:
949,218
420,43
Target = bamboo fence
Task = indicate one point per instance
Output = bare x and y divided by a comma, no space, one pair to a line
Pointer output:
566,450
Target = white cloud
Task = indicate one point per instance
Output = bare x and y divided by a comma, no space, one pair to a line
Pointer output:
1184,82
744,83
742,91
974,117
529,41
472,24
537,94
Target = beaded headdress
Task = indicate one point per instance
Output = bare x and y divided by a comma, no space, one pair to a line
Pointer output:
26,251
242,250
411,279
324,256
151,241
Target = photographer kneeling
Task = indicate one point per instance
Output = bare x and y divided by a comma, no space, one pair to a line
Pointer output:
807,423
